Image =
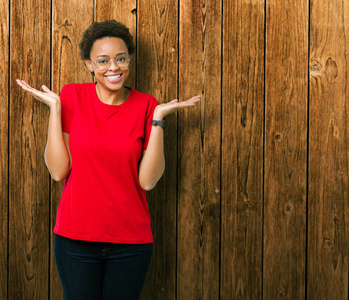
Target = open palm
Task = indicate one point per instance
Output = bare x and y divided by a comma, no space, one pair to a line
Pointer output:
165,109
47,96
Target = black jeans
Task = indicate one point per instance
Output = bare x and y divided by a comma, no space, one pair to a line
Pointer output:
97,271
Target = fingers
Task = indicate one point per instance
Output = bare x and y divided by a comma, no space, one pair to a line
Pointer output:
25,85
30,90
191,102
45,89
194,99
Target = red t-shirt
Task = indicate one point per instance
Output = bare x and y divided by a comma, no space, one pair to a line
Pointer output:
102,200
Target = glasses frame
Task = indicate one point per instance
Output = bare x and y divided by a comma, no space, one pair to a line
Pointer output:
114,59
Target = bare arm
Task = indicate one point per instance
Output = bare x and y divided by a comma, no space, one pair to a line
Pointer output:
57,154
152,165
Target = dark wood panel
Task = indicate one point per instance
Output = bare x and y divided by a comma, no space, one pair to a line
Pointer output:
242,150
67,67
124,11
328,153
29,177
157,64
199,150
285,150
4,155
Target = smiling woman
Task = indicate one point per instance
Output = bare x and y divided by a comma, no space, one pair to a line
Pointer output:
105,140
110,73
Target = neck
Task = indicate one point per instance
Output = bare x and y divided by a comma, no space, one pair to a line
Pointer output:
112,97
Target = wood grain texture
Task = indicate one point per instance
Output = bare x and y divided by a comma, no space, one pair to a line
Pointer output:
28,179
157,64
67,67
4,154
199,150
242,149
124,11
329,151
285,150
217,235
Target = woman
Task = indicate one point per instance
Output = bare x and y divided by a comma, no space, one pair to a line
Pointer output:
106,141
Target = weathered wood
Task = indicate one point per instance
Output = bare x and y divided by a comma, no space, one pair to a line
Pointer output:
199,150
157,64
28,179
242,150
68,26
285,150
328,151
217,256
4,155
124,11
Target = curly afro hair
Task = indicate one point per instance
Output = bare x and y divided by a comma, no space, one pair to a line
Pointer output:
100,30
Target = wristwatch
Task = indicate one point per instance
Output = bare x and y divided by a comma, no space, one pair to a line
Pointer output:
158,123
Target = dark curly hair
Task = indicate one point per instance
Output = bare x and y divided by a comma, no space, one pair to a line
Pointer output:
100,30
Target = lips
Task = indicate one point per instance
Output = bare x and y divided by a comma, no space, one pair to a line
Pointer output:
113,78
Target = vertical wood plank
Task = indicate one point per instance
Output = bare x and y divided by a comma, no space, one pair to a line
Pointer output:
124,11
29,180
329,150
4,155
242,149
157,64
285,149
199,150
67,28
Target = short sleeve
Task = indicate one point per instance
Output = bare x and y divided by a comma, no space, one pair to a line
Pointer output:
66,109
149,115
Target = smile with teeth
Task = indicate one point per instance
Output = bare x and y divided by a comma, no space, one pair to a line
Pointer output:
113,78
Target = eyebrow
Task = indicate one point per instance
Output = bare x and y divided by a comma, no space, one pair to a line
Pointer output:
104,55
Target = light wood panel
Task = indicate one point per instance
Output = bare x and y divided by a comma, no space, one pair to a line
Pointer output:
124,11
4,154
29,180
199,150
157,64
242,149
285,172
67,67
328,151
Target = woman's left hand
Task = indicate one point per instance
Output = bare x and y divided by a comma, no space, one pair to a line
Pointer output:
162,110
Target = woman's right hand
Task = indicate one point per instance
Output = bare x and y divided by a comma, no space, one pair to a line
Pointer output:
47,96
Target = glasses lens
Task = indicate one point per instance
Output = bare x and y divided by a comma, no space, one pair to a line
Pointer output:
122,60
103,64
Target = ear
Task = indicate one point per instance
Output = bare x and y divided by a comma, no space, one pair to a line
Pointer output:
88,64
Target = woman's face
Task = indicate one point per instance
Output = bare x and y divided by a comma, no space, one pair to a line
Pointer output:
107,48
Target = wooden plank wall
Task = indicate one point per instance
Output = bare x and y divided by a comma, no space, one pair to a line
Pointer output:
254,200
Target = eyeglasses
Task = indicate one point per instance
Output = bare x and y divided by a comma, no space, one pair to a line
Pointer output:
121,60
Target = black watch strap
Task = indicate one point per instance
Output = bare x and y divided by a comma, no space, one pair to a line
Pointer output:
158,123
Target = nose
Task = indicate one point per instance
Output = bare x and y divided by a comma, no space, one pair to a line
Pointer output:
113,65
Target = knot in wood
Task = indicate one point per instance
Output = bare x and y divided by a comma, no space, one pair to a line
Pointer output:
282,293
288,208
331,69
327,244
316,67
